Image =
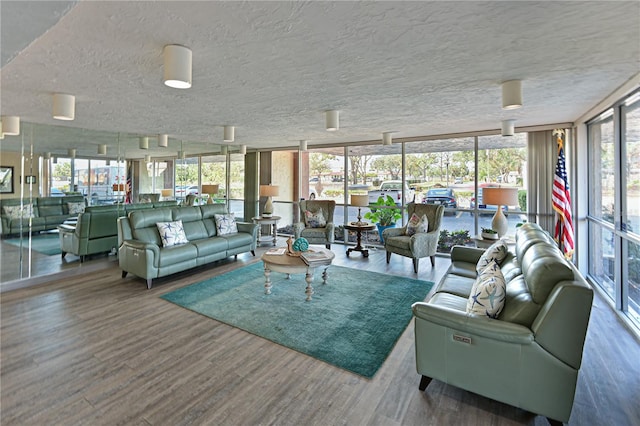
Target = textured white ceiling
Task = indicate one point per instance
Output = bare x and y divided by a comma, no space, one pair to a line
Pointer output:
272,68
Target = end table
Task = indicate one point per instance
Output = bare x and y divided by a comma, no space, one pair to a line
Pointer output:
359,228
271,220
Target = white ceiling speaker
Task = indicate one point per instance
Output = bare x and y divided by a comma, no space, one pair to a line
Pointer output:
177,66
508,127
243,149
332,120
229,134
303,145
144,142
64,106
11,125
386,138
47,155
163,141
71,153
512,94
102,149
147,158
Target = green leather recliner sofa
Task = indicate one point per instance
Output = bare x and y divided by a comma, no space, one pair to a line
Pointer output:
528,357
97,228
143,254
48,212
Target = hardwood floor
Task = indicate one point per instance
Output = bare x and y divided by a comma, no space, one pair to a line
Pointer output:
97,349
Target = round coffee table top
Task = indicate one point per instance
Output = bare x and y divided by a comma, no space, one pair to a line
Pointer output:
293,261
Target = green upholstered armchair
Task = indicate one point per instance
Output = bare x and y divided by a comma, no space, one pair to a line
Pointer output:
320,235
148,198
421,244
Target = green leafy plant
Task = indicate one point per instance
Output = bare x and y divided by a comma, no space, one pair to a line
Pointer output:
386,215
449,239
488,231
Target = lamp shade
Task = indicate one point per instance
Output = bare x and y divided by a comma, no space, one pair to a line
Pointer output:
332,120
360,200
511,94
163,141
165,193
504,196
11,125
210,189
177,66
508,127
269,190
229,134
102,149
64,106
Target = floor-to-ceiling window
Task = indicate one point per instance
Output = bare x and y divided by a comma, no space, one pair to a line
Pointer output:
614,204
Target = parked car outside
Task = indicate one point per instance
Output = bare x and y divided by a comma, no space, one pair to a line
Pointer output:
443,196
55,192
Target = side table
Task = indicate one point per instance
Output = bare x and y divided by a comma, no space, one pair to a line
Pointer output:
273,221
358,228
486,243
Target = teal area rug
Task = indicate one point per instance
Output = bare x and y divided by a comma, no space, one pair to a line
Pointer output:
353,322
48,244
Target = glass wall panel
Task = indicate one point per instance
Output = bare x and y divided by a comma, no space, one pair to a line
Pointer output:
186,178
214,171
602,167
236,185
602,257
632,272
60,176
631,166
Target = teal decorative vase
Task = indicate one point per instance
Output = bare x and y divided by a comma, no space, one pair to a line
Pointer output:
301,244
382,228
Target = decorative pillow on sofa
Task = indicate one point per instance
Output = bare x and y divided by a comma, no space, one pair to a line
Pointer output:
417,224
76,208
488,292
16,212
226,223
315,220
172,233
497,251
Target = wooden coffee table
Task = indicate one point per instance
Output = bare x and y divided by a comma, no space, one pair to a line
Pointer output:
294,265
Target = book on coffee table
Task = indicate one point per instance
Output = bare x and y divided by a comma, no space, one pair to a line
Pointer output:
313,258
276,251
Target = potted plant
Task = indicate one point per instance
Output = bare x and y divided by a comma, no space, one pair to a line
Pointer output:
384,217
489,234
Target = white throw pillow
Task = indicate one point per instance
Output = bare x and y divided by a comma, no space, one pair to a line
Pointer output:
488,292
315,219
172,233
76,208
16,212
225,224
417,224
496,252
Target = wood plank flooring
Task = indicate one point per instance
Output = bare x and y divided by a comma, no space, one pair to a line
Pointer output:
96,349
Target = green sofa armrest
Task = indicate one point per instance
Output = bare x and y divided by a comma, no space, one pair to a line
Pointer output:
249,228
139,245
473,325
466,254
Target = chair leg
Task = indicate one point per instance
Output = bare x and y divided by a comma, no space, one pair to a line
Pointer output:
433,261
253,252
388,256
553,422
124,274
328,246
415,264
424,382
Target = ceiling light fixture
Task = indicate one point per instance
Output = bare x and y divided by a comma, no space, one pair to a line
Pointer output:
64,106
144,142
181,155
107,162
11,125
223,150
55,159
512,94
243,149
47,155
71,153
177,66
147,158
386,138
332,120
163,141
303,145
102,149
508,127
229,134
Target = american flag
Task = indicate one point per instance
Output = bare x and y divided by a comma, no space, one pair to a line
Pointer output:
562,204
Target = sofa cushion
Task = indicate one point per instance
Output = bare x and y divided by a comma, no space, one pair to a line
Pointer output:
488,292
315,219
417,224
226,224
519,306
544,266
496,252
172,233
450,301
209,246
176,254
237,240
75,208
456,284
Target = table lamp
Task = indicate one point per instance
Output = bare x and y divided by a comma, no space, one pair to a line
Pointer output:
212,190
268,191
359,200
500,197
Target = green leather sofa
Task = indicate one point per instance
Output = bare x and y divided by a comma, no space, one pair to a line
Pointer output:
48,212
528,357
97,228
142,253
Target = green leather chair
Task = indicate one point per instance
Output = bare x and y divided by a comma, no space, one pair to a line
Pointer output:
322,235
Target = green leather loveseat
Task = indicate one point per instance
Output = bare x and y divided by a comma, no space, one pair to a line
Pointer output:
97,228
47,213
142,252
528,357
